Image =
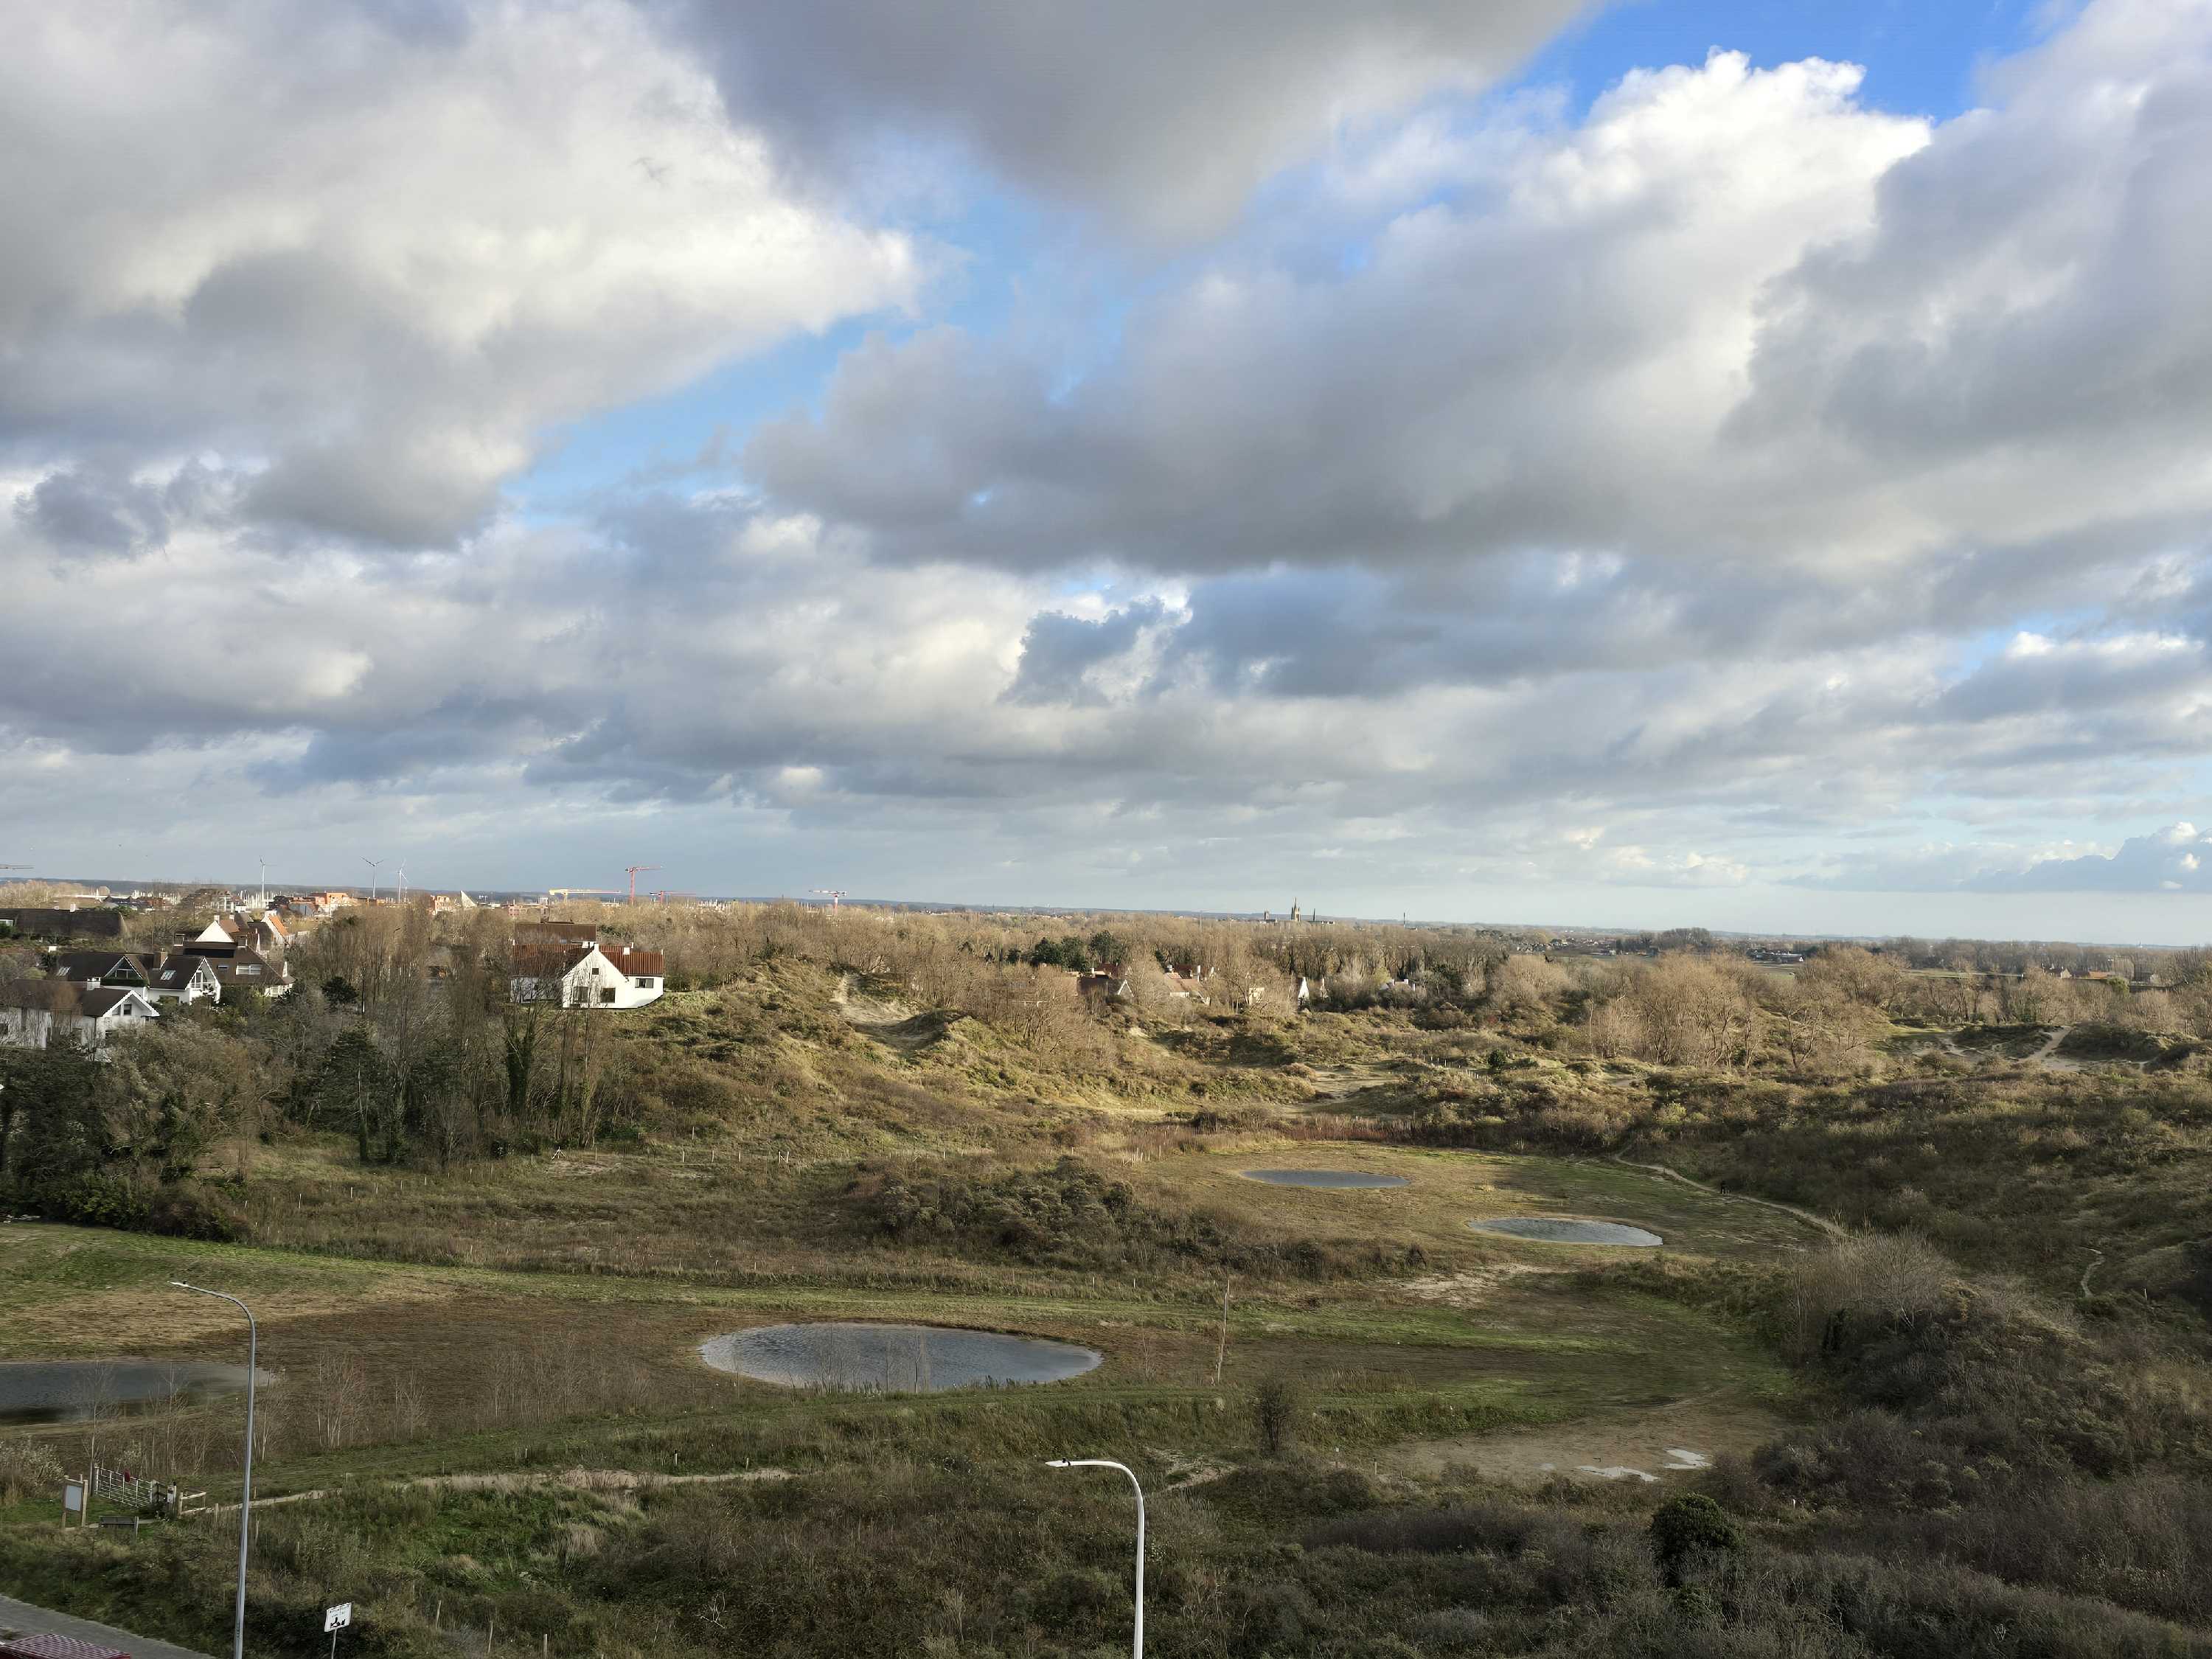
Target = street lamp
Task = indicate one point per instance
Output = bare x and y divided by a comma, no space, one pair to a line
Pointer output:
1107,1463
246,1492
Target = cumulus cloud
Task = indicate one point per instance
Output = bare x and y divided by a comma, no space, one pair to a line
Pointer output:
1664,498
1550,363
1165,115
2175,859
428,233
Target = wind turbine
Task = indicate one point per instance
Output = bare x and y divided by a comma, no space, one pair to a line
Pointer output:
373,865
403,884
263,863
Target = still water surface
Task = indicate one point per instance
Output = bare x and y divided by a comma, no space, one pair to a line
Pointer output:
1323,1178
893,1358
1554,1230
69,1390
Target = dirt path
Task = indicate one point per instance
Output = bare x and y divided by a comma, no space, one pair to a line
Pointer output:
2096,1260
2046,1055
581,1480
1805,1216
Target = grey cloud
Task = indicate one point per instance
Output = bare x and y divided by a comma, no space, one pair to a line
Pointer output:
80,510
2175,861
1058,651
1164,115
2031,282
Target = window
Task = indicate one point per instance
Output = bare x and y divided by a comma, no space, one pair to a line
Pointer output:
607,995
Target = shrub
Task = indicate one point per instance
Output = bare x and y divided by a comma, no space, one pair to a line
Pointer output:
1275,1409
1689,1526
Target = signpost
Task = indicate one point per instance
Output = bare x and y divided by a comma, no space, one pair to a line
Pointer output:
336,1619
72,1500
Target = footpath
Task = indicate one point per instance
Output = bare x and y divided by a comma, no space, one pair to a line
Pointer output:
37,1621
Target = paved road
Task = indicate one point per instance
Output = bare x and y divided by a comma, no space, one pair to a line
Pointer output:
23,1616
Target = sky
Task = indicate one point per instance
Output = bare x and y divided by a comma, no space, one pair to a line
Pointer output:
1739,465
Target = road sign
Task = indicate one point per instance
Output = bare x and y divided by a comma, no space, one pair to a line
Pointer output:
339,1617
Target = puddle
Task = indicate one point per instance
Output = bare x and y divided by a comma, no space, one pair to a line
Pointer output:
893,1358
70,1390
1335,1178
1558,1230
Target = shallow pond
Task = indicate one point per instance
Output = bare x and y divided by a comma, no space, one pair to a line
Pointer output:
893,1358
1339,1178
67,1390
1556,1229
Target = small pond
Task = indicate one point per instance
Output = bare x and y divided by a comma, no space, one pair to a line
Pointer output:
1560,1230
1338,1178
893,1358
67,1390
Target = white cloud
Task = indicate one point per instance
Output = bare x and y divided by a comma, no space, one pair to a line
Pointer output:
368,267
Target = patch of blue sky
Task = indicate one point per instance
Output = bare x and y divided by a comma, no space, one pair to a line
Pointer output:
1922,56
696,432
1978,650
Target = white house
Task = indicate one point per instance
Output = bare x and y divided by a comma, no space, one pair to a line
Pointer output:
185,979
587,976
40,1013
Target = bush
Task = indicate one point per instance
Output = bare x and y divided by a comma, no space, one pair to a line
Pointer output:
102,1200
1685,1528
1275,1409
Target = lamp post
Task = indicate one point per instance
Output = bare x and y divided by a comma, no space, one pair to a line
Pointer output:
245,1492
1107,1463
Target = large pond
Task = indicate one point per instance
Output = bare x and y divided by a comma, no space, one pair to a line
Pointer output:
1558,1230
893,1358
1323,1178
67,1390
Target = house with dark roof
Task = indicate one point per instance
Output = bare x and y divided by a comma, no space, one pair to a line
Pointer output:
183,978
102,967
44,1013
588,975
247,970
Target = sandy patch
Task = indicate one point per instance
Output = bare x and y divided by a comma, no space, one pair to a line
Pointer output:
1669,1442
1474,1286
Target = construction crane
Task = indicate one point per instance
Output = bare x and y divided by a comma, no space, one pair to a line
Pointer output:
633,871
833,893
18,866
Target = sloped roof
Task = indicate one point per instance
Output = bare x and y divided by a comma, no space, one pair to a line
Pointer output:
634,963
250,967
94,964
178,972
103,1000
